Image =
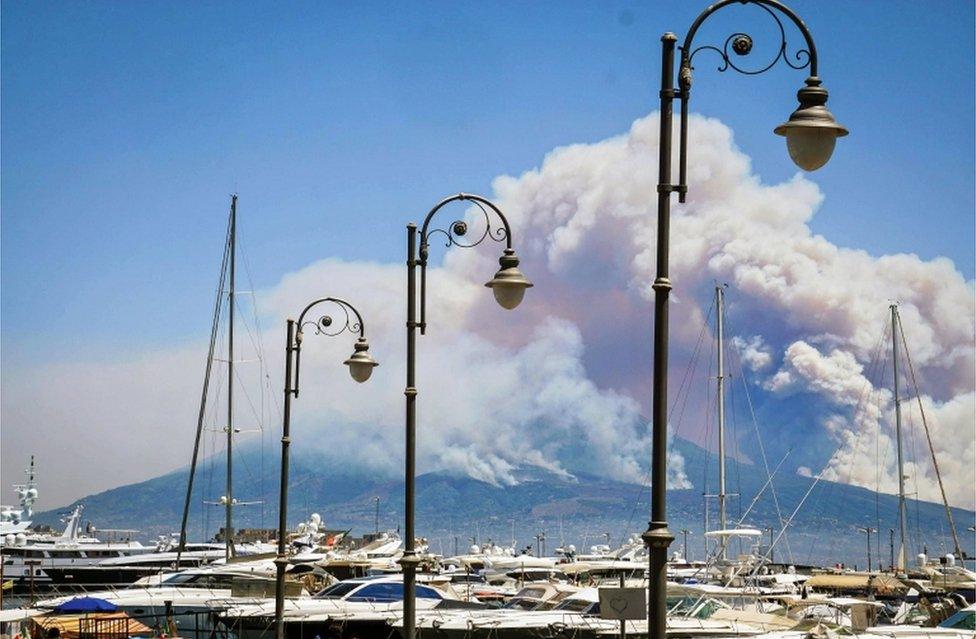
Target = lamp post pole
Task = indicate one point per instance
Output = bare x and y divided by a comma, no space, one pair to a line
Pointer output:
867,533
508,286
811,134
360,365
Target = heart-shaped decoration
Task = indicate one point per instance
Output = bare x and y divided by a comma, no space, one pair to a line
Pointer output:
618,605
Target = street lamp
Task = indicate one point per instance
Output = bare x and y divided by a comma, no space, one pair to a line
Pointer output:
811,133
508,286
360,365
867,530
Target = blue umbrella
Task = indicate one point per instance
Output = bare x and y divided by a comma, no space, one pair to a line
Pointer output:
86,604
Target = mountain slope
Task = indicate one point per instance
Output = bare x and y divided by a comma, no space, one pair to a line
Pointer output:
580,509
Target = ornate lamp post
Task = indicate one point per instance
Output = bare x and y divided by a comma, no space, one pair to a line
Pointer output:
360,365
810,132
508,285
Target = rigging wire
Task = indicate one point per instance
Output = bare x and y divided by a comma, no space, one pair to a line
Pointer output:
918,524
264,374
689,373
867,392
735,457
928,437
203,399
737,361
708,411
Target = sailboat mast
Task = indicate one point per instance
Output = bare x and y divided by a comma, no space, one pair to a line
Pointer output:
228,526
719,312
903,549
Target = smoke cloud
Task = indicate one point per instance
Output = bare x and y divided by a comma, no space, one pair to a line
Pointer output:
562,382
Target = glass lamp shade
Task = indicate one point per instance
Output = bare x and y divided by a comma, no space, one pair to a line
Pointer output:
509,283
810,147
360,363
811,132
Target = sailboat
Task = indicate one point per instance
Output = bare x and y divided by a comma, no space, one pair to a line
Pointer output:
724,534
944,572
228,277
169,553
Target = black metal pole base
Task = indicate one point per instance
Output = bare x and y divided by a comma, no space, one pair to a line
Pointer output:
408,563
658,538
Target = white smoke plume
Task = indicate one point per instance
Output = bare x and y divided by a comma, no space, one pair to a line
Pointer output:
484,408
562,381
866,436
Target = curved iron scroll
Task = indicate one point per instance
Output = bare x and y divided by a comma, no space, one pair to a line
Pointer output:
460,229
325,325
741,43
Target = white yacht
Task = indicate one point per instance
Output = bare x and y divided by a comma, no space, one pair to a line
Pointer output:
351,608
190,596
27,558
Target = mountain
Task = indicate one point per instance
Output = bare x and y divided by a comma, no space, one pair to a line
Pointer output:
576,509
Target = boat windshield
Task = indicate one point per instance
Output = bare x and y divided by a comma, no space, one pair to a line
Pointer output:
339,590
523,603
578,605
962,620
200,580
179,578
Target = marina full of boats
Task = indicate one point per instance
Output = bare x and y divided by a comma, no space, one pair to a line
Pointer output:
353,588
74,584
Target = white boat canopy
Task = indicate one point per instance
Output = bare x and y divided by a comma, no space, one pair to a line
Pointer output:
735,532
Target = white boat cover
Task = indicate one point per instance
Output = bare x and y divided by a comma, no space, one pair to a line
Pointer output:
734,532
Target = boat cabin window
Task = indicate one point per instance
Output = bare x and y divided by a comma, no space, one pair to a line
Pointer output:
23,552
179,578
390,591
337,591
579,605
534,593
523,603
200,580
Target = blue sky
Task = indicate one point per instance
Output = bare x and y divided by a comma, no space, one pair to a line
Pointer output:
127,125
